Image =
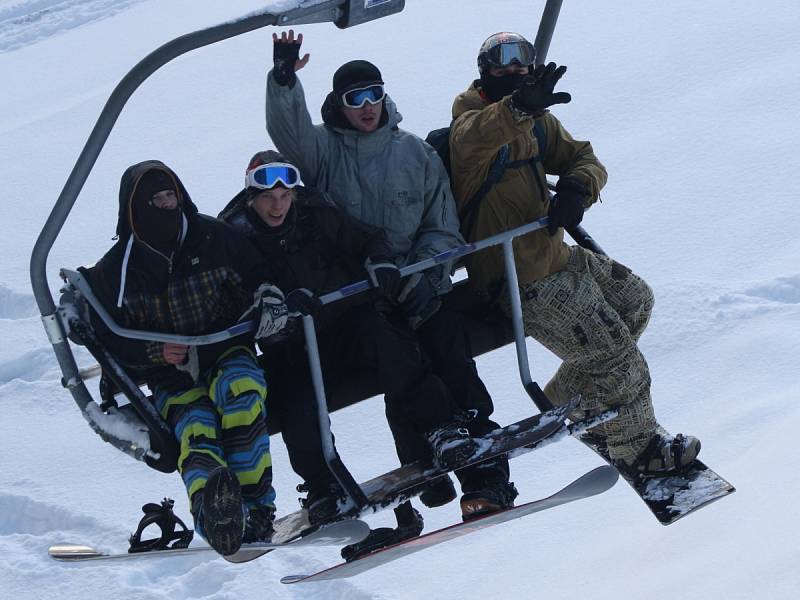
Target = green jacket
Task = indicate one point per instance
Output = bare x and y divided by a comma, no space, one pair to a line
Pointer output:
479,130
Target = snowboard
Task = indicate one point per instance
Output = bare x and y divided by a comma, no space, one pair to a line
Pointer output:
339,533
670,497
592,483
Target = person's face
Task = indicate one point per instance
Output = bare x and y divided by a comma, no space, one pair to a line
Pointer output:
512,69
273,205
166,200
364,119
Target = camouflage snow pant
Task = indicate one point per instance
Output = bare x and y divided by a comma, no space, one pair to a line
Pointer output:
591,315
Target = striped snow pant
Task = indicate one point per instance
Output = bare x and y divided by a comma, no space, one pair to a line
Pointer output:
591,315
221,421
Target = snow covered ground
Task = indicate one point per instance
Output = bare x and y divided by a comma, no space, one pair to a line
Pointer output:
693,109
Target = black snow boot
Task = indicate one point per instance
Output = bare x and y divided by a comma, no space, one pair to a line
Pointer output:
666,453
409,525
219,513
491,497
438,492
322,500
451,444
258,527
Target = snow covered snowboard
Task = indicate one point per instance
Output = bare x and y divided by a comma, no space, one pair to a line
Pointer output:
592,483
670,497
339,533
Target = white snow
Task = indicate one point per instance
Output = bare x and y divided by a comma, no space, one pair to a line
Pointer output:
692,106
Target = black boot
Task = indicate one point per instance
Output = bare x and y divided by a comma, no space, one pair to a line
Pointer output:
258,526
489,498
438,492
451,445
667,454
219,512
322,500
409,525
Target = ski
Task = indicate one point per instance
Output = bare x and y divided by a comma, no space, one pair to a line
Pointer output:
670,497
339,533
592,483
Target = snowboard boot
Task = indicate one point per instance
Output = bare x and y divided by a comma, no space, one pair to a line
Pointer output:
490,498
438,492
665,454
409,525
322,500
219,513
451,444
258,526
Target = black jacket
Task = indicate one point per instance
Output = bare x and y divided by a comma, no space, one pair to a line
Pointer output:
203,287
319,247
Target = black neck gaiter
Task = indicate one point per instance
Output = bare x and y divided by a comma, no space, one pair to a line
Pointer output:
497,88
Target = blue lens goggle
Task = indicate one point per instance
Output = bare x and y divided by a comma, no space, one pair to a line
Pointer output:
521,53
360,96
266,177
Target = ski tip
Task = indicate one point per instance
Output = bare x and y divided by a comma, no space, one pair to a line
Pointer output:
293,578
69,552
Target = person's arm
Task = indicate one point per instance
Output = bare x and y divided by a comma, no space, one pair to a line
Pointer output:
288,121
439,228
572,159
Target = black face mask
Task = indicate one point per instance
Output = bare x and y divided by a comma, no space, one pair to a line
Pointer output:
497,88
156,227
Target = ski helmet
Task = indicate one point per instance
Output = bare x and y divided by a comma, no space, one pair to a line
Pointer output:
503,49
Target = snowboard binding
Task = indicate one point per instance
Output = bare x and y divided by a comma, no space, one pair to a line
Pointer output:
163,516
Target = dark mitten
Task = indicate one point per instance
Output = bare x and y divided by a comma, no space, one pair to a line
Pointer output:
535,93
418,300
284,57
567,206
385,276
302,302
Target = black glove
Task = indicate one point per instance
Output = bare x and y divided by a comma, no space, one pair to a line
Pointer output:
418,300
284,57
302,302
385,276
535,93
566,207
270,311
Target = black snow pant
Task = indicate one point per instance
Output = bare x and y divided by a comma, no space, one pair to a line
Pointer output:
444,340
360,340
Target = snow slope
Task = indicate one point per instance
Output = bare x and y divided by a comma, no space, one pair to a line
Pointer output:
691,106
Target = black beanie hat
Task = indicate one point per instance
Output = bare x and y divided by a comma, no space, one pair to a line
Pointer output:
152,182
355,74
265,157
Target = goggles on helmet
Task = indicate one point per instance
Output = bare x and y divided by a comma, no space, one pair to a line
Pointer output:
266,177
505,54
360,96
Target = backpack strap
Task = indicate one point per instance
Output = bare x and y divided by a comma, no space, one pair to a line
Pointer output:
498,169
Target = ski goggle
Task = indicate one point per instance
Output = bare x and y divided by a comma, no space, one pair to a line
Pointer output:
266,177
503,55
360,96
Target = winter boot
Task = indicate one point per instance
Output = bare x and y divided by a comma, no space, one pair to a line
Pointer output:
438,492
219,512
258,526
322,500
409,525
493,496
451,445
666,453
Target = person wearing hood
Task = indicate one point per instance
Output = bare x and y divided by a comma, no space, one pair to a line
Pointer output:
586,308
173,270
313,247
391,179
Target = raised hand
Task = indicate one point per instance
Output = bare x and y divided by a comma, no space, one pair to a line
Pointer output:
286,57
535,93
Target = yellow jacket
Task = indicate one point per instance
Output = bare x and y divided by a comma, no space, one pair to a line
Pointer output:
479,130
